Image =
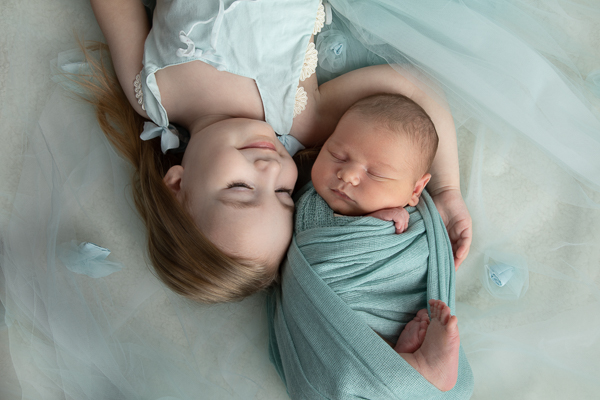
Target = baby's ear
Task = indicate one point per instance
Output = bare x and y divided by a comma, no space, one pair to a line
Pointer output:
419,186
173,179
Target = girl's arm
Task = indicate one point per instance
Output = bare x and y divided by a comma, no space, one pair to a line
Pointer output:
125,27
333,98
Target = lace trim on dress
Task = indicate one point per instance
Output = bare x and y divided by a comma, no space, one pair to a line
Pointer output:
301,100
310,62
139,95
320,19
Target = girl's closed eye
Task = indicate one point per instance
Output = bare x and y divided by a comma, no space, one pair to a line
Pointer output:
244,185
239,185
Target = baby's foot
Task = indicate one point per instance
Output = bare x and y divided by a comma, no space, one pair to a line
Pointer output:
413,334
437,358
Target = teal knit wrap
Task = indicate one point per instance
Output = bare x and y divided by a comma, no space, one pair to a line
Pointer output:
346,278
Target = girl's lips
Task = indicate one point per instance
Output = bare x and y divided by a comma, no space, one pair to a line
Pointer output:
260,145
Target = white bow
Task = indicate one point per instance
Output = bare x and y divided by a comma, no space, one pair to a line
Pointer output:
191,47
168,139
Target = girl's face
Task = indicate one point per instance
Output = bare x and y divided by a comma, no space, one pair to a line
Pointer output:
236,179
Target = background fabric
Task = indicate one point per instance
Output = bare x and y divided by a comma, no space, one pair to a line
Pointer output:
534,204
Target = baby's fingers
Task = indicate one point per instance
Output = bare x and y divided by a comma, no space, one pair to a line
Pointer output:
401,220
398,215
400,226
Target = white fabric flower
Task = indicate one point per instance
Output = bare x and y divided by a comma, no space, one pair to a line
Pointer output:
191,50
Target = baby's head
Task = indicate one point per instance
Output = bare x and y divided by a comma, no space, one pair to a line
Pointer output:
235,181
378,156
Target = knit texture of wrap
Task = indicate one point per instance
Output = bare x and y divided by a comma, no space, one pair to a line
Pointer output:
346,278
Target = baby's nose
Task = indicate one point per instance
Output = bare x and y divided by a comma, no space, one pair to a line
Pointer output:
349,175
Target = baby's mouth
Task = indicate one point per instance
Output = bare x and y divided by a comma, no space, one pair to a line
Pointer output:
342,195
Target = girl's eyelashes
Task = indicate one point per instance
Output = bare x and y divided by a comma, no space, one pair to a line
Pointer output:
238,184
247,186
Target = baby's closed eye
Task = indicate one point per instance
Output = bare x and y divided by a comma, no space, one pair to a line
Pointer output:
377,176
337,157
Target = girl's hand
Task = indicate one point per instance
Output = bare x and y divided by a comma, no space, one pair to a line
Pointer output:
397,214
457,219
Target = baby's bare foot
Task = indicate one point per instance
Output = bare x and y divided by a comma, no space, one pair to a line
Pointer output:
437,358
413,334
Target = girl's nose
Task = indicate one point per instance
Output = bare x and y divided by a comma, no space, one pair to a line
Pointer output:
349,174
268,165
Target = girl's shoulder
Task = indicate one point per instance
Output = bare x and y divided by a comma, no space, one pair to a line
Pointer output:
194,89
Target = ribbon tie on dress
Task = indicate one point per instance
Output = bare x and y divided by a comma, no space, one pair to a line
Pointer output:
191,47
168,138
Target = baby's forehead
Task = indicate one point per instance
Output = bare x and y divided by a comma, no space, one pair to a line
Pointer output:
386,144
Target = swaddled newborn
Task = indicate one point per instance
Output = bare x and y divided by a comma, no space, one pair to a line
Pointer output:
374,164
347,277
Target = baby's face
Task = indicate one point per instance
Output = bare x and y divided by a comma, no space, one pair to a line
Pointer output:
363,168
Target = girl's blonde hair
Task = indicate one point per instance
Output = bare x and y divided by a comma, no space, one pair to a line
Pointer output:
183,258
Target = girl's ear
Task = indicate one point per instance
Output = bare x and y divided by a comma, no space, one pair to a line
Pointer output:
173,179
419,186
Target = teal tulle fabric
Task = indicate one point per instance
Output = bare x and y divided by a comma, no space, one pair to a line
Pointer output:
521,80
518,83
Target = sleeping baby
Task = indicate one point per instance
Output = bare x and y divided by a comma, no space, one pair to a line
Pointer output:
377,160
375,164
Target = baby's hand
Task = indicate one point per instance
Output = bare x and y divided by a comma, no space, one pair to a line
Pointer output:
397,214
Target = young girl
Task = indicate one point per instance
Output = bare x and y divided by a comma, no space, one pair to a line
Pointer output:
236,75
